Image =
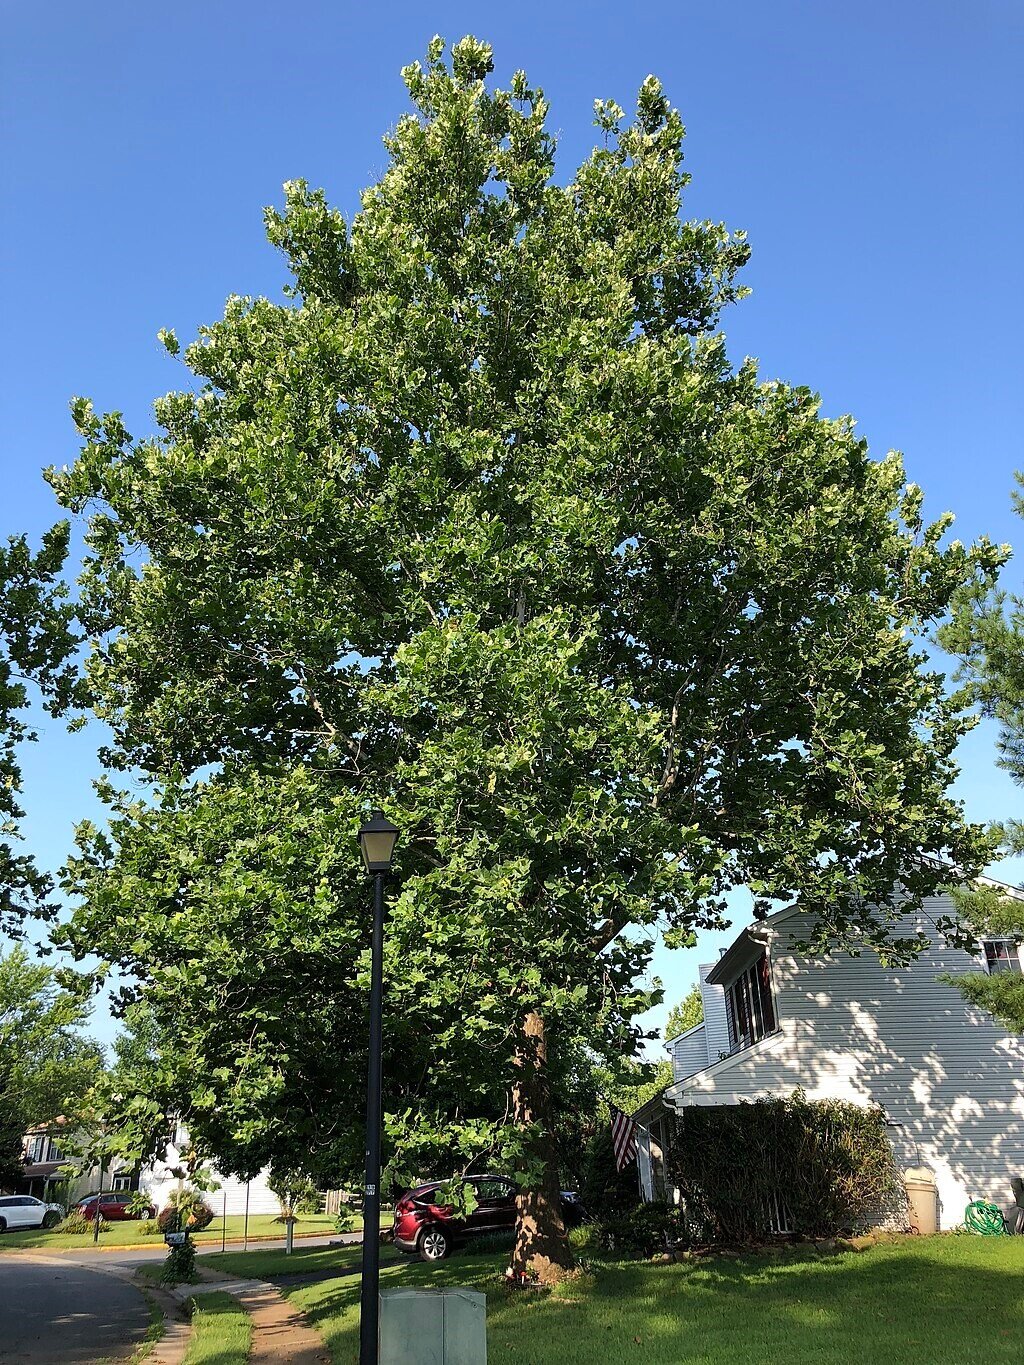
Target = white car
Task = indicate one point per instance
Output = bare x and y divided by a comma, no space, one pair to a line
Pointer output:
22,1211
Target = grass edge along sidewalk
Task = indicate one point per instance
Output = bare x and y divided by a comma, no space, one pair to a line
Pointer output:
274,1263
946,1300
221,1330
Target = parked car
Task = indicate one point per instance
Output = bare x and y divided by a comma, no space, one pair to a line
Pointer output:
433,1229
115,1206
23,1211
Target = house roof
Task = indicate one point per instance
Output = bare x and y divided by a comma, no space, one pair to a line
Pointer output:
753,934
747,943
684,1034
723,1064
653,1108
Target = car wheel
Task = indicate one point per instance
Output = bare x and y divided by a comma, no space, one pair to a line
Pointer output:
51,1218
3,1224
434,1245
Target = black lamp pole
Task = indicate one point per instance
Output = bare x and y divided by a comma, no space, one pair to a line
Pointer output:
377,839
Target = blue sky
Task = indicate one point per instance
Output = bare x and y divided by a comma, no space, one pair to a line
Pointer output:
871,151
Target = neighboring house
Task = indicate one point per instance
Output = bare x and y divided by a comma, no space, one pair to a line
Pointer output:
160,1178
46,1171
949,1078
48,1174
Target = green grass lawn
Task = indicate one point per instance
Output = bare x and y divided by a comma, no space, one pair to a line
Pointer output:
923,1301
221,1331
129,1233
302,1261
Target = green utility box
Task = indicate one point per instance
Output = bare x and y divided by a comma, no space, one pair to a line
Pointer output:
433,1327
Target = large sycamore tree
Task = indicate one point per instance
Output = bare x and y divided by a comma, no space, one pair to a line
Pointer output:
987,632
37,643
480,525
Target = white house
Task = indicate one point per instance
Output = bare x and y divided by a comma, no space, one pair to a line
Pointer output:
949,1078
45,1167
159,1179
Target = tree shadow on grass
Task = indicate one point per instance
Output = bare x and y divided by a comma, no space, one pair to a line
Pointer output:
954,1304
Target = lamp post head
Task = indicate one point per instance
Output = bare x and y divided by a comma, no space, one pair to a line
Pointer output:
377,839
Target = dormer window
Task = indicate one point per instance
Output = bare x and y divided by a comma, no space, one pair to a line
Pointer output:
749,1005
1002,955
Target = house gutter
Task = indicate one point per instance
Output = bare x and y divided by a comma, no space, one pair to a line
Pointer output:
740,953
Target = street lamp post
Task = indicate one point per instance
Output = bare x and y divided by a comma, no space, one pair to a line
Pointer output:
377,839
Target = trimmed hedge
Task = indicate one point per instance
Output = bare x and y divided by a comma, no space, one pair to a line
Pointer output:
827,1166
643,1230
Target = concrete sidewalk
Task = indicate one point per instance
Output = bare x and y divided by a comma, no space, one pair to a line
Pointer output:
280,1332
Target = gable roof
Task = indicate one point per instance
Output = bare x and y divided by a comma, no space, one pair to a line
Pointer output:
753,934
748,942
684,1034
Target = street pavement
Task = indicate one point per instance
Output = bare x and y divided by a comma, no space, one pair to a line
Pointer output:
68,1307
63,1314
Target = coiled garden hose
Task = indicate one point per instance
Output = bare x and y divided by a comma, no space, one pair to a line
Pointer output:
984,1218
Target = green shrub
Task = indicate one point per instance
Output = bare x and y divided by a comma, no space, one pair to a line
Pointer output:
603,1189
584,1238
180,1265
310,1200
60,1191
826,1166
344,1220
150,1227
185,1209
76,1224
489,1243
296,1192
643,1230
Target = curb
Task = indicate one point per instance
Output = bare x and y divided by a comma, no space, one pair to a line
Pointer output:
174,1343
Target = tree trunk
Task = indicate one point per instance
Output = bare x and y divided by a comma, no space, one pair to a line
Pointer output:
541,1249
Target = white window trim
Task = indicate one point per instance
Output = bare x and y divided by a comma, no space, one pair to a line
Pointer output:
1011,944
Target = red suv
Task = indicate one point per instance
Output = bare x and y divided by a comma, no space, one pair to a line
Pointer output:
433,1229
114,1206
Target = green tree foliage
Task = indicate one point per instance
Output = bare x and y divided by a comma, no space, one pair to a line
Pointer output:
47,1066
481,526
685,1014
585,1146
36,642
987,632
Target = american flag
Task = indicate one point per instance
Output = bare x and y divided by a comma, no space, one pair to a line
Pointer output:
623,1138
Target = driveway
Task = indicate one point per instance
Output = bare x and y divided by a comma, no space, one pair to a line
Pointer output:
66,1314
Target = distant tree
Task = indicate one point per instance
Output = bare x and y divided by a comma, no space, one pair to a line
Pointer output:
987,633
36,644
685,1014
481,526
47,1065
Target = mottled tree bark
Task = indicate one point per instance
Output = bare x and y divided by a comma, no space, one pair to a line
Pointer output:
541,1247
